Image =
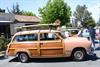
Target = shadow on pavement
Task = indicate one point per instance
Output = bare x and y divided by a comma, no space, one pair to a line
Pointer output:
46,60
92,57
14,60
52,60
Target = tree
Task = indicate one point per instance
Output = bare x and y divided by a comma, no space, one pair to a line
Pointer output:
16,9
89,22
2,10
28,13
84,16
56,9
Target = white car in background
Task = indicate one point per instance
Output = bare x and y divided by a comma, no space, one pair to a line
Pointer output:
86,33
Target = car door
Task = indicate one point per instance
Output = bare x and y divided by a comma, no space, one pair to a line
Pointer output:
50,45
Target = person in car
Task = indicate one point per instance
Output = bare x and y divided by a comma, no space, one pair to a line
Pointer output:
65,33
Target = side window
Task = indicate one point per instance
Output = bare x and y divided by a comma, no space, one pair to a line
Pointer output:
48,36
61,35
27,37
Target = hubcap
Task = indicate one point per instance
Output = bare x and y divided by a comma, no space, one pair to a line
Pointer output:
23,57
78,55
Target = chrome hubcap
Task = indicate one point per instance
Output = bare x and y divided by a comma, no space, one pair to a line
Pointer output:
78,55
23,57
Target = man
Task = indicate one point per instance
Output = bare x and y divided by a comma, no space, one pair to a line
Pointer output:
92,35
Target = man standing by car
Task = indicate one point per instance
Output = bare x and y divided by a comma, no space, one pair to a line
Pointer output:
92,35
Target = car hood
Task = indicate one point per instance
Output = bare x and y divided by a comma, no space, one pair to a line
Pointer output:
76,39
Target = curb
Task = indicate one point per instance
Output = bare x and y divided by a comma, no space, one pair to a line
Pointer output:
2,54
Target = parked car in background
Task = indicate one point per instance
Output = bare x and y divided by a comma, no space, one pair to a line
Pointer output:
84,32
47,44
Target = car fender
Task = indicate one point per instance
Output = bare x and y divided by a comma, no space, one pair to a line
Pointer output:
23,50
75,42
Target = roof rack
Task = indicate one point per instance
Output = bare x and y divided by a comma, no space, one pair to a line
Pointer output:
38,25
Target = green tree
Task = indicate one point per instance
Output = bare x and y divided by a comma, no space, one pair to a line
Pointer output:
56,9
2,10
89,22
84,16
28,13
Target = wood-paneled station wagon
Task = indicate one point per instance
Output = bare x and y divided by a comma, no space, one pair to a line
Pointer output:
47,44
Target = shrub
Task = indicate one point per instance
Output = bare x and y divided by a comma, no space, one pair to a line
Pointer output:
3,43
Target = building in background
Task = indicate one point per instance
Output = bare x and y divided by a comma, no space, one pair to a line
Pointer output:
9,22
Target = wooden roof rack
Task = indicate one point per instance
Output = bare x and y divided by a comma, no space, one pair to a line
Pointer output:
38,25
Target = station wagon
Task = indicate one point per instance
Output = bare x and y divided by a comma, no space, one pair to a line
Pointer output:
47,44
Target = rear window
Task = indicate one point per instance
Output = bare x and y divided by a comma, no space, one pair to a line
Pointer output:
27,37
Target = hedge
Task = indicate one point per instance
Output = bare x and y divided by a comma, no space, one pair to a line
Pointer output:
3,43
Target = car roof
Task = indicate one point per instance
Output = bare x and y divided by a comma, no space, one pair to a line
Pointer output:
35,31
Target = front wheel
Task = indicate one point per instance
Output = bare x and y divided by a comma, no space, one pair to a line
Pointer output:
78,55
23,57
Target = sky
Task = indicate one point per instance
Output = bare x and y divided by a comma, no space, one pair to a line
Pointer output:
34,5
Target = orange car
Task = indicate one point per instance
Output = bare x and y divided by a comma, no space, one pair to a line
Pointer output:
47,44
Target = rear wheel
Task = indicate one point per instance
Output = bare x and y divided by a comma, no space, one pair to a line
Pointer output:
78,55
23,57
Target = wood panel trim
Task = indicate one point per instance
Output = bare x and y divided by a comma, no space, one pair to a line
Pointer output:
39,52
54,48
60,55
25,48
63,45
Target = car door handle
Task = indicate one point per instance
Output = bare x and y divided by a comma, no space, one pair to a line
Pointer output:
41,43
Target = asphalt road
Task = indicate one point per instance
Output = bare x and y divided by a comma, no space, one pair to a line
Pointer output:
92,61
